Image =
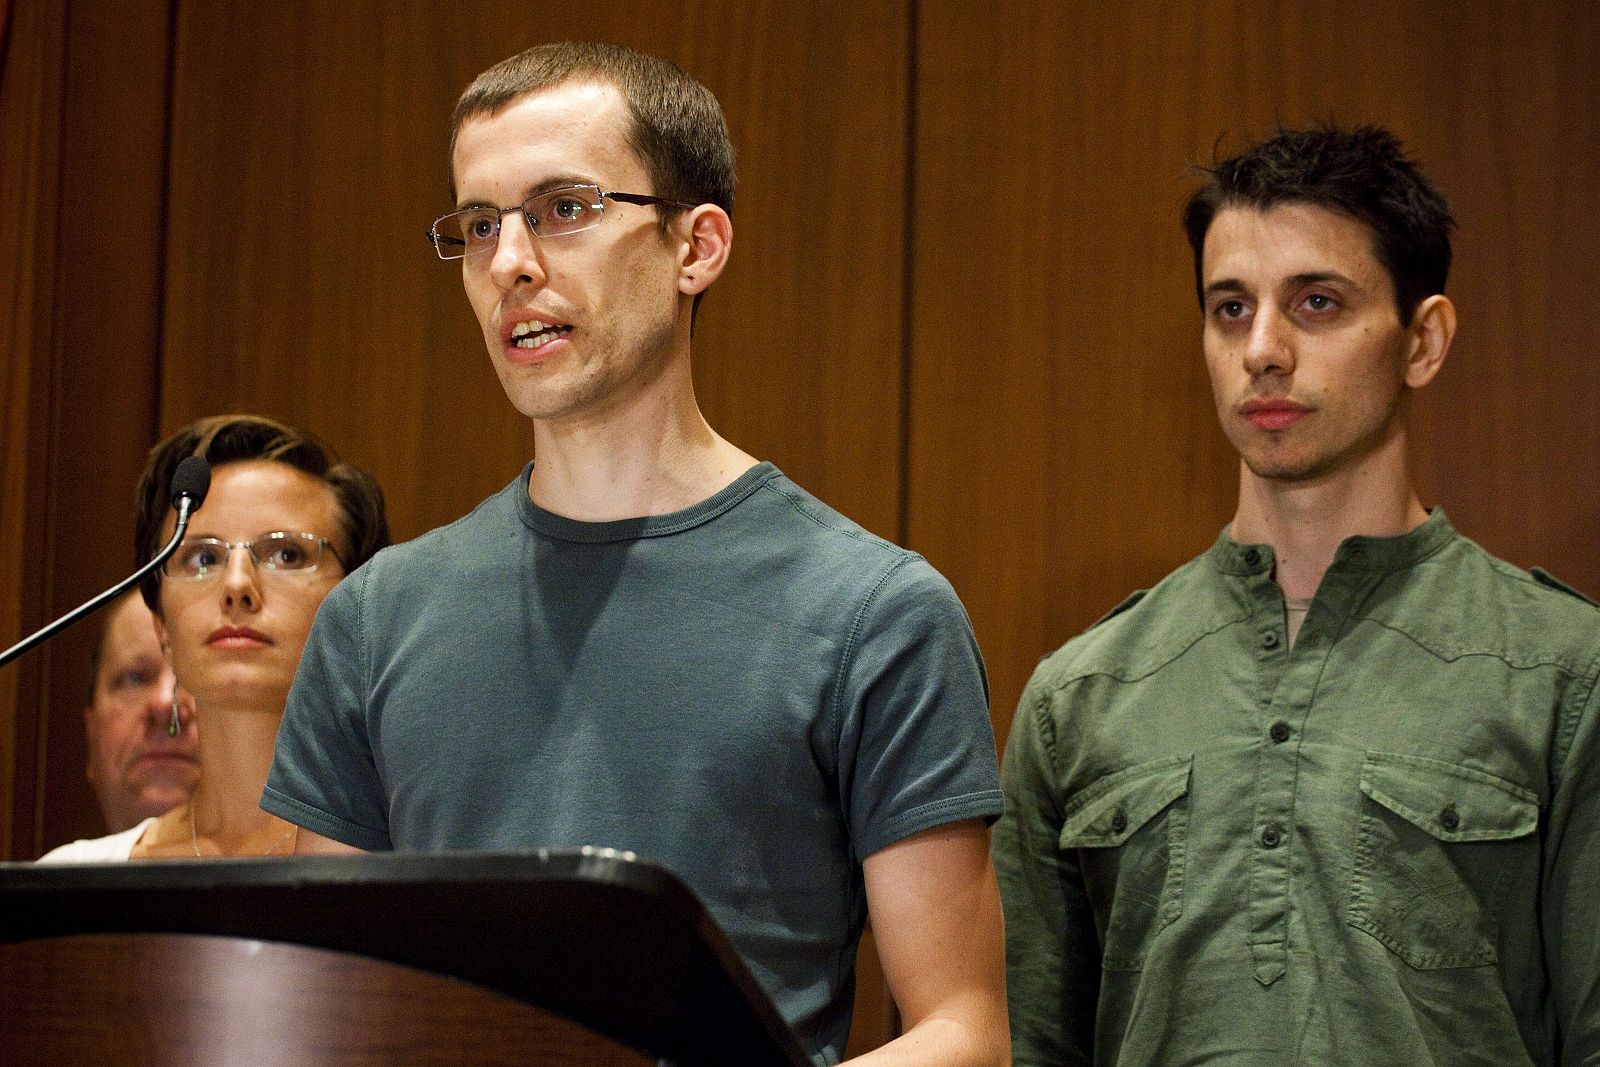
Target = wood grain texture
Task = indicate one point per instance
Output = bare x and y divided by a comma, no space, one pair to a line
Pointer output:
105,355
29,95
1508,439
84,113
1074,456
159,1000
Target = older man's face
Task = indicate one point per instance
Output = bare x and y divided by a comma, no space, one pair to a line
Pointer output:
137,769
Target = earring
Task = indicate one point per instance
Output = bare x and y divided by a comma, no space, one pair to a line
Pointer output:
172,721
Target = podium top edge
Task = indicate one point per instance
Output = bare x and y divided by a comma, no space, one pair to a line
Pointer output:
589,864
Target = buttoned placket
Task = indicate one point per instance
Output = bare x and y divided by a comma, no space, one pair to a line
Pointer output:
1288,679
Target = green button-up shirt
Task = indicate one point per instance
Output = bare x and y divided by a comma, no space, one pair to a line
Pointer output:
1376,847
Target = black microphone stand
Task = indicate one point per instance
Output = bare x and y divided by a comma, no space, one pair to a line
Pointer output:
185,505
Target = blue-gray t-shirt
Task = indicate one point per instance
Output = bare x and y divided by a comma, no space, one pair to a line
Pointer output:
754,691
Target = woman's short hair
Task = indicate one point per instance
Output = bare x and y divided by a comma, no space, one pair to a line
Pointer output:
221,439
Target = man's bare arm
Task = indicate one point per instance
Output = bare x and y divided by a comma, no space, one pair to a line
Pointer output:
936,918
309,843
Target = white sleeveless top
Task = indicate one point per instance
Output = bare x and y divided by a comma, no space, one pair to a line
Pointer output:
113,848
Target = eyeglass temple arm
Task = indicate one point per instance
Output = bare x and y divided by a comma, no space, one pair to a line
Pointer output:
642,199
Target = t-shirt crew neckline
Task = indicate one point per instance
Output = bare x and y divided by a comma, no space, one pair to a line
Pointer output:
559,526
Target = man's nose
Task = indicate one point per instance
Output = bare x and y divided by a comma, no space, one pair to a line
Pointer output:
1270,347
516,255
166,685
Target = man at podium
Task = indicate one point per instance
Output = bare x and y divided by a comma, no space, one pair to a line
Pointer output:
650,640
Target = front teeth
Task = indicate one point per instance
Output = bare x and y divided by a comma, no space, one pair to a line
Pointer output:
524,336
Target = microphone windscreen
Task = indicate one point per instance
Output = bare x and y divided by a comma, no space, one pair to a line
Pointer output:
192,479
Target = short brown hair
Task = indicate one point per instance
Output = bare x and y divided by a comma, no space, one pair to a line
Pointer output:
221,439
677,131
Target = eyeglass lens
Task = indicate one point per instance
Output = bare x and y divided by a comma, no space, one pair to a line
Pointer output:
278,551
556,213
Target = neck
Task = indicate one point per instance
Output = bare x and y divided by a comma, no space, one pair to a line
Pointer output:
236,746
1305,521
648,454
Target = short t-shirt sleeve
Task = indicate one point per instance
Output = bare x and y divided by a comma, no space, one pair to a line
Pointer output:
916,748
323,775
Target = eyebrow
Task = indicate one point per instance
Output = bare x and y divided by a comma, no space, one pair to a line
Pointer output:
555,181
1312,277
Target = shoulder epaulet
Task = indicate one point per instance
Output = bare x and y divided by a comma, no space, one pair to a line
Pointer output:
1544,577
1131,599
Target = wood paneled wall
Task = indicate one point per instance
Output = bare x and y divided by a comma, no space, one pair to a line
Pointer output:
30,50
83,353
1064,449
960,306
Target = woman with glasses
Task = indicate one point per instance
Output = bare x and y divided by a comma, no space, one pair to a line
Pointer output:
283,523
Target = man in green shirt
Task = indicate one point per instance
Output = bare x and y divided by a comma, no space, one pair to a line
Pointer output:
1328,793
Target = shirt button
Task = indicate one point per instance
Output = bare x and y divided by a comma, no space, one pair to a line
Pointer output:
1269,639
1357,551
1270,837
1252,556
1448,818
1279,732
1119,821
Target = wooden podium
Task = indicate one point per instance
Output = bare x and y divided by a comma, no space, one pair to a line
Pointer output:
573,958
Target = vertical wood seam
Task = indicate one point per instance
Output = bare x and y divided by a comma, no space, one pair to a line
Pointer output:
47,497
163,229
907,280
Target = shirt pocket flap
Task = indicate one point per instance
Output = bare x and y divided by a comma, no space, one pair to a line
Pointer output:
1108,812
1448,801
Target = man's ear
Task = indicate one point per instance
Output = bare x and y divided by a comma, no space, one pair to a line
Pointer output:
1433,327
709,239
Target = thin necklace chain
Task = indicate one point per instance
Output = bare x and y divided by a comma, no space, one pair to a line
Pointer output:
194,838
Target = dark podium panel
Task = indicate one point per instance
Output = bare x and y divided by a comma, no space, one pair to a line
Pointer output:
170,1000
618,946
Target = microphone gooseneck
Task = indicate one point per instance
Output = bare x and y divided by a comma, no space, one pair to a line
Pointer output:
190,483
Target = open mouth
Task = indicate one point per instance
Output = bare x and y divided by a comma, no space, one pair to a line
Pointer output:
535,334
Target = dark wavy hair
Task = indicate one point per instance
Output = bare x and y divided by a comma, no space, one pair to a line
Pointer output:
1361,172
221,439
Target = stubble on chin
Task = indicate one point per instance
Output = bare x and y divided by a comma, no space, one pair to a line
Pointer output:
1274,469
1288,460
586,387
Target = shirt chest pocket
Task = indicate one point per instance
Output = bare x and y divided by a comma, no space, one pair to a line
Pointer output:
1128,830
1441,850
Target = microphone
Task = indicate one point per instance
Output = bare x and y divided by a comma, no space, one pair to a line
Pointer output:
190,483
